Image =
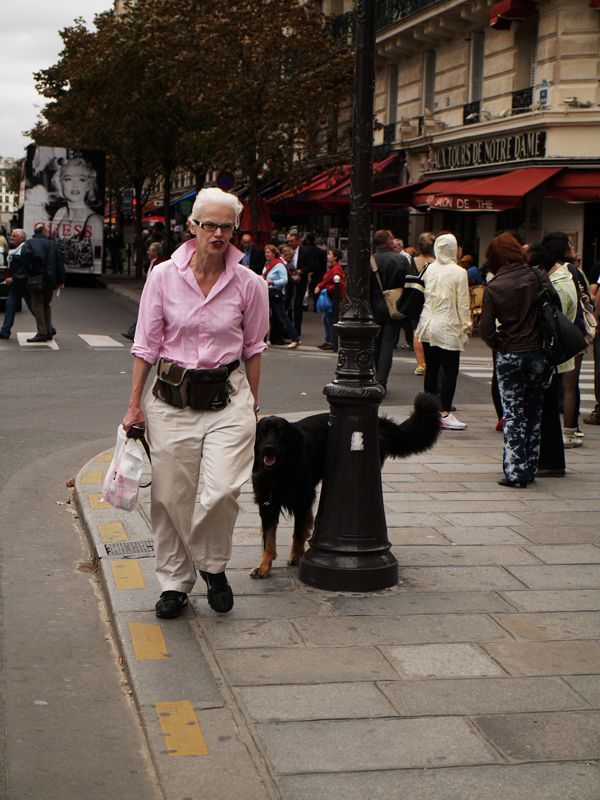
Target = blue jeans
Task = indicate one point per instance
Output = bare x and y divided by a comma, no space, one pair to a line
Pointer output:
278,308
328,322
522,379
18,290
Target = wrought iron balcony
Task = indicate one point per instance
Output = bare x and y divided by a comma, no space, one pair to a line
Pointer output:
522,100
471,112
389,133
389,12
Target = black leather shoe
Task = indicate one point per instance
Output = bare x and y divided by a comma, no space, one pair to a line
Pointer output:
171,604
506,482
219,594
127,335
39,337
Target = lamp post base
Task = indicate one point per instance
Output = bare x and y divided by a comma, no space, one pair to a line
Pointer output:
364,573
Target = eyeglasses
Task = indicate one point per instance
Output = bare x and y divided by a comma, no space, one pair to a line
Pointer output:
211,227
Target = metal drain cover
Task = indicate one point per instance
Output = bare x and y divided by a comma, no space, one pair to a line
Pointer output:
141,549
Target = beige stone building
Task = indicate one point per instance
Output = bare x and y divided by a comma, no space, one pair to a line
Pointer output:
496,106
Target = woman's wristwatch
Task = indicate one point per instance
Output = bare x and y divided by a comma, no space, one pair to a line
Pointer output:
256,409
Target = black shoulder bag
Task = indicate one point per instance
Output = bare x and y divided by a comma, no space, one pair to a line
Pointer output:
561,338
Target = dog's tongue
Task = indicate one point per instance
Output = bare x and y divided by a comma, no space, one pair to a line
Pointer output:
269,461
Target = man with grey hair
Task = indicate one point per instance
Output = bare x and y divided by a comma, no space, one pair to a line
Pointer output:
43,257
17,281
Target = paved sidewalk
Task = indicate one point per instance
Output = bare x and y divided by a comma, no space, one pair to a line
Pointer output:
476,677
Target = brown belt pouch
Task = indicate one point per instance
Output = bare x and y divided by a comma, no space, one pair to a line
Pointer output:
172,384
209,388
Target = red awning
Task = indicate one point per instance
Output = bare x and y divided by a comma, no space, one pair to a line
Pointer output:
576,186
343,189
321,184
496,193
505,11
398,196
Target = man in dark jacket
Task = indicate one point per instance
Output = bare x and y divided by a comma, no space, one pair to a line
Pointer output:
17,280
392,269
40,256
252,257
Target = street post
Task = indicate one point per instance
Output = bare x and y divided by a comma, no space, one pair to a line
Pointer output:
350,550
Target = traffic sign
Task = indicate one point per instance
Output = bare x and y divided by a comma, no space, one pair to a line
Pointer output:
128,202
226,180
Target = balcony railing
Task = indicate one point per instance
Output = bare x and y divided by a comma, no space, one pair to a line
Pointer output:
389,12
471,112
522,100
389,133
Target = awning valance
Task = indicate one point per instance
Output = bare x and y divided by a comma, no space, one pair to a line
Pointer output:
576,186
496,193
398,195
504,12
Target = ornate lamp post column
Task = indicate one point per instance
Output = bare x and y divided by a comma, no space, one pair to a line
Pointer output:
350,550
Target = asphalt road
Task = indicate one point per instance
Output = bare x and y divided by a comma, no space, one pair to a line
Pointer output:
70,728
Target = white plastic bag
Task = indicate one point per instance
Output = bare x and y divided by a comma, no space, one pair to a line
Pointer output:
122,480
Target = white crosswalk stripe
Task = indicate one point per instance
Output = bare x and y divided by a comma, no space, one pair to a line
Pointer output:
22,337
95,341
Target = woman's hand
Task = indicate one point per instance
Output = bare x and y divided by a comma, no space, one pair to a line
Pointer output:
134,416
317,290
270,281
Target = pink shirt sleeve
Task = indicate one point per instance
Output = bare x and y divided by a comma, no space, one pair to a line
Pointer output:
256,319
150,321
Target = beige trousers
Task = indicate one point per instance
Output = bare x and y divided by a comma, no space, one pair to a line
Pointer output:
183,441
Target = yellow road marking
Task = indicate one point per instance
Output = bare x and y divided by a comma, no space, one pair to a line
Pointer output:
106,456
128,575
181,730
97,502
148,641
92,477
112,532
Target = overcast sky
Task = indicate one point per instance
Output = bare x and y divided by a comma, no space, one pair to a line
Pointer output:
29,41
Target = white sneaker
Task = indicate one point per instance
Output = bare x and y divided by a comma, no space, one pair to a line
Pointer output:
452,424
570,439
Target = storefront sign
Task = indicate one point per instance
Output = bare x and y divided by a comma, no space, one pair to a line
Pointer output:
516,147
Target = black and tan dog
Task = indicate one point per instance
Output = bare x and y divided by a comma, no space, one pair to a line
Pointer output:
289,459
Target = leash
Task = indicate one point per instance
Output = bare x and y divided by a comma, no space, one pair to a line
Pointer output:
137,432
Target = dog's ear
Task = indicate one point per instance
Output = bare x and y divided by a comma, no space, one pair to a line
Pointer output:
294,440
260,432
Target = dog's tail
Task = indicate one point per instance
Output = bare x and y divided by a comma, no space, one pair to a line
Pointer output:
416,434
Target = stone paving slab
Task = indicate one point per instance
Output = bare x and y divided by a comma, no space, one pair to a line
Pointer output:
441,661
521,659
562,625
372,744
417,629
588,687
559,577
484,536
566,554
481,696
232,633
415,536
559,600
456,579
408,602
322,701
544,737
264,606
449,509
316,665
471,519
468,555
575,518
523,782
560,534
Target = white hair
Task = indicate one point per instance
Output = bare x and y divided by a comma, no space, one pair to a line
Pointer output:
20,232
214,196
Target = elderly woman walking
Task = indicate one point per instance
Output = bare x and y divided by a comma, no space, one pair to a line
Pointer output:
202,315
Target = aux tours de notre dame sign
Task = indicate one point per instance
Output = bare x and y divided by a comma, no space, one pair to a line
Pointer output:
515,147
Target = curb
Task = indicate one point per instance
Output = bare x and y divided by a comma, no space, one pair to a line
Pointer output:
183,707
122,293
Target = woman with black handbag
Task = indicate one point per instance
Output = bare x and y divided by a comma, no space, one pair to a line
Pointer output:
552,255
509,324
276,275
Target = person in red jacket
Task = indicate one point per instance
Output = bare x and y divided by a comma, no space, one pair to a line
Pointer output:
328,283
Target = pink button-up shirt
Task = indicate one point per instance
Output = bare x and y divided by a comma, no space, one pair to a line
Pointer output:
177,322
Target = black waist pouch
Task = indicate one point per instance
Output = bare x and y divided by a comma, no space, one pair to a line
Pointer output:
209,389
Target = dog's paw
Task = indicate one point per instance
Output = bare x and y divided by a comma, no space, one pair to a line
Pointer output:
260,572
293,561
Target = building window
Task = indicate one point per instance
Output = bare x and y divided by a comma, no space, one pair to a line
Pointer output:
476,62
392,114
526,45
429,81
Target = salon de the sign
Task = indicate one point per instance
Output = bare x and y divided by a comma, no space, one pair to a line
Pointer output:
516,147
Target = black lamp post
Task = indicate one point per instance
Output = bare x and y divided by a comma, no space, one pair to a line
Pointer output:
349,550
